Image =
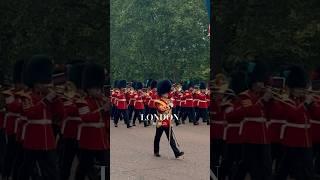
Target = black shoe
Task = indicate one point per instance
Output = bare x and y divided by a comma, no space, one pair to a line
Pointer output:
183,122
195,123
116,125
179,154
157,155
129,126
133,124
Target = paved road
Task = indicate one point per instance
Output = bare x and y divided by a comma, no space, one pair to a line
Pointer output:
132,154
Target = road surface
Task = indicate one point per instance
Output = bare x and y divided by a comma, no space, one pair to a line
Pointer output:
132,154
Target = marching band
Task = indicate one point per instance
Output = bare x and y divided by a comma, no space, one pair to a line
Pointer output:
49,116
265,125
131,101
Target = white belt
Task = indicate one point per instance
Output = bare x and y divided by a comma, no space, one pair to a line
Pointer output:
17,122
68,119
219,122
257,119
293,125
202,101
314,121
6,117
35,122
122,100
276,121
235,125
189,99
91,125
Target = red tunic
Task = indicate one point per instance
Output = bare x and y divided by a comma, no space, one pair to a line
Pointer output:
13,111
314,112
153,96
296,132
218,120
253,129
188,96
138,103
71,120
163,108
38,133
275,119
202,101
121,101
92,133
233,117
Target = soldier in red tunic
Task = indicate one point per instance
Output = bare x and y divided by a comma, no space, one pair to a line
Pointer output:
93,132
138,104
114,94
202,103
38,138
122,105
189,106
13,112
71,120
233,143
164,124
256,158
296,133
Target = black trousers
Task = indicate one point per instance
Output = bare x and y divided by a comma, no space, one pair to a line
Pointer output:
130,111
2,149
47,161
18,161
296,162
89,162
256,160
153,112
231,161
216,152
189,112
124,114
202,113
11,150
157,139
276,154
137,114
113,111
68,149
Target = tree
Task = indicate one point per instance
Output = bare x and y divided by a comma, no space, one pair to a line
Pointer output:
159,39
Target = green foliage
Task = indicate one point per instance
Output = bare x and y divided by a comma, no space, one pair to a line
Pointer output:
62,29
159,39
285,31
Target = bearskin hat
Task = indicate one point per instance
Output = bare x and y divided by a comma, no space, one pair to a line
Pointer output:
93,76
259,73
149,82
115,85
17,71
190,84
202,85
139,85
122,84
39,70
239,82
153,84
164,87
185,86
75,74
297,77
